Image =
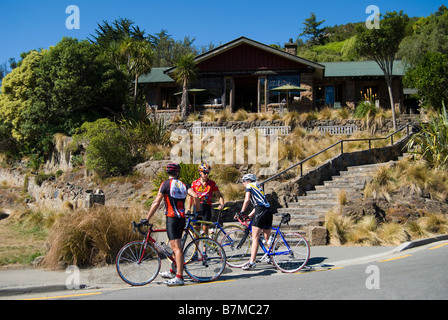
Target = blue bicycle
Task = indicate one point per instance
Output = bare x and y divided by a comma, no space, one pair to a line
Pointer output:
289,252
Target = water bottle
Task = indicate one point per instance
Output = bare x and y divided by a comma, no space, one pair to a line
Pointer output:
271,240
167,248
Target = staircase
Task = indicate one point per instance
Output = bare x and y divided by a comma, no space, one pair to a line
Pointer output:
310,210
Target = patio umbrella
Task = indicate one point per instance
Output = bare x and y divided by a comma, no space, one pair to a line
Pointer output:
193,92
288,88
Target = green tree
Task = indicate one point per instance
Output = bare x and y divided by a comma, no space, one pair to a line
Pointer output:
167,51
428,34
57,90
312,31
430,78
17,93
137,56
185,72
381,45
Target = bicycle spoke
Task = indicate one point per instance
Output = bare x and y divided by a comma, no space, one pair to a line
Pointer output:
135,269
208,262
291,253
237,253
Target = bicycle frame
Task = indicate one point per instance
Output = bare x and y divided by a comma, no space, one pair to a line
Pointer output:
267,251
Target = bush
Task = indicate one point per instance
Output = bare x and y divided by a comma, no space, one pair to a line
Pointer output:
108,149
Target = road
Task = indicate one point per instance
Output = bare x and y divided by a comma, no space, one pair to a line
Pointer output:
418,273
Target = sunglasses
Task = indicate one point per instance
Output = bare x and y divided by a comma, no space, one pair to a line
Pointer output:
205,172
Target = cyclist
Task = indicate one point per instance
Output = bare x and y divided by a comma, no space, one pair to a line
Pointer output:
205,188
174,192
261,215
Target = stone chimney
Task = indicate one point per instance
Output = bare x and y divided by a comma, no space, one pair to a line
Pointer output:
291,47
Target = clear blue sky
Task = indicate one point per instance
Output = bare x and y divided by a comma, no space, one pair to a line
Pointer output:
32,24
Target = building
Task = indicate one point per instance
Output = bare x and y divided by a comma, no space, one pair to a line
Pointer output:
242,73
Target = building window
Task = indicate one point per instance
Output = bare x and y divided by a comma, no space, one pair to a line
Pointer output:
277,81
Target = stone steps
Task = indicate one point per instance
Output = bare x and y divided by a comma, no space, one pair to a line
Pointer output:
310,210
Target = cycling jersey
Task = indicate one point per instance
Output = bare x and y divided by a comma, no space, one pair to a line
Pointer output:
205,192
257,196
175,192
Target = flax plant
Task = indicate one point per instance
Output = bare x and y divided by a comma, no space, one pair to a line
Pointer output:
431,143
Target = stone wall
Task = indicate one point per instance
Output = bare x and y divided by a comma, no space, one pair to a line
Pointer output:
310,125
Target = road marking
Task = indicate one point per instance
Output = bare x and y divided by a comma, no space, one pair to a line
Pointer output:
210,282
318,270
408,255
437,247
67,296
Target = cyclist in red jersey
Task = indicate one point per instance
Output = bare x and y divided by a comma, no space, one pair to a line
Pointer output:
174,192
205,188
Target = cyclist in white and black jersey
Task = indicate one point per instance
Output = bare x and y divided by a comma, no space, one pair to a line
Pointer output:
261,215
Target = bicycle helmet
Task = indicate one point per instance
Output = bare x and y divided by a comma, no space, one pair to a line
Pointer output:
250,177
204,168
172,168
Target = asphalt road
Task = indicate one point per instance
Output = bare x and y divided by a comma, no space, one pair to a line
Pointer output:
418,273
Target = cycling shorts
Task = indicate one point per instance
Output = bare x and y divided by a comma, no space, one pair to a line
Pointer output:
205,214
175,227
262,218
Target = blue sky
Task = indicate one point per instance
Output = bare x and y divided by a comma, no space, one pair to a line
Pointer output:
32,24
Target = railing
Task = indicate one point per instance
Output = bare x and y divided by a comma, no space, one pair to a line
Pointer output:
341,143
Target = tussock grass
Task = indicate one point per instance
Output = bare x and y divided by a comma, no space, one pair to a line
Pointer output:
90,237
368,231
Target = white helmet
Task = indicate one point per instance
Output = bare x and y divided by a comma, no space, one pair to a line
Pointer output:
250,177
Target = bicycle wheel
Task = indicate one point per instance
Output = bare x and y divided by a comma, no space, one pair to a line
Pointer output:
209,261
137,265
291,252
237,253
219,235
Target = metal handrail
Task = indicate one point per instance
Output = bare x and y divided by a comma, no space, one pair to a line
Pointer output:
341,142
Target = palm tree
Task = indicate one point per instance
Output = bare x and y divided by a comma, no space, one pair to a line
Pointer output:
137,57
186,70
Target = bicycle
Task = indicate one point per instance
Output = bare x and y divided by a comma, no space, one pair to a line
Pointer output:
138,263
289,252
216,229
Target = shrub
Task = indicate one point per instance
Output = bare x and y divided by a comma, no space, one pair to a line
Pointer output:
108,149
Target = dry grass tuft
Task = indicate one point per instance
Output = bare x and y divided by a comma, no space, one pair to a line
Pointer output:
90,237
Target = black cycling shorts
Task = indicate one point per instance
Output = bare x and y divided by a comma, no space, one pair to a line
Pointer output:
205,213
262,218
175,227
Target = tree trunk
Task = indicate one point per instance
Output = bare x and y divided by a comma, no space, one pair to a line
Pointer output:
392,104
135,93
184,101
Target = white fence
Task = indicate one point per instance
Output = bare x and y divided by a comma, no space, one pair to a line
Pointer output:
338,130
264,131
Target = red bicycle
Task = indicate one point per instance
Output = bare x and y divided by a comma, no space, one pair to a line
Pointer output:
139,262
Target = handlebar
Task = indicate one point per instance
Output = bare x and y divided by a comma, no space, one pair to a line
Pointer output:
142,223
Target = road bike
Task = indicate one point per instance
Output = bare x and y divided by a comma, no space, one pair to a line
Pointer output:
138,263
216,230
288,251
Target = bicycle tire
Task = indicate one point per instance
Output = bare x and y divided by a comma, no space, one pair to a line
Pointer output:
292,255
237,253
209,262
135,270
219,235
